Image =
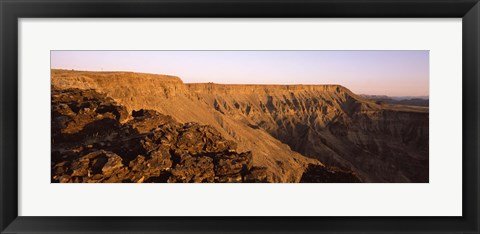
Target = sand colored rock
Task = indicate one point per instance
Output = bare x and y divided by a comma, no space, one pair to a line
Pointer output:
169,96
288,128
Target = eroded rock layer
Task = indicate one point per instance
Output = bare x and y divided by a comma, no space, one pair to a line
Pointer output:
378,141
290,130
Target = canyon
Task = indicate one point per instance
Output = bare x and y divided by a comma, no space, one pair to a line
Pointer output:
210,132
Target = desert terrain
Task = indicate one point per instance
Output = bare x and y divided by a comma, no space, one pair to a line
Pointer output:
134,127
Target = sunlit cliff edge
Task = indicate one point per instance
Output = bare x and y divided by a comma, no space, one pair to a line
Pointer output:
286,127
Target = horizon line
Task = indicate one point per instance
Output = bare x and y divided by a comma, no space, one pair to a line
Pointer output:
258,84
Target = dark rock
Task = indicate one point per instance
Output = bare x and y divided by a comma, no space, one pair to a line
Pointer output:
144,121
322,174
233,163
256,175
97,166
193,169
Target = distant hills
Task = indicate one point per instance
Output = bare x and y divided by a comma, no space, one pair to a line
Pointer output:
403,100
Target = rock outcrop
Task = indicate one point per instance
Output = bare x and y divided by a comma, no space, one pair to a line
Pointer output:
95,140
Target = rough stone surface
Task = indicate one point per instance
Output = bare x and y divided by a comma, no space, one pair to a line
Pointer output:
90,144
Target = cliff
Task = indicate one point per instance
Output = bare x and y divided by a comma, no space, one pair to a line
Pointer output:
380,142
169,96
290,129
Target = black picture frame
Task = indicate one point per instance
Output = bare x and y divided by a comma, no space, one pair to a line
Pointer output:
11,11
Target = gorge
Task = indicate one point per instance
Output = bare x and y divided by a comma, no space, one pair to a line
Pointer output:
136,127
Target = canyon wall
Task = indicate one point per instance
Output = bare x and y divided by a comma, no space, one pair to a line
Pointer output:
169,96
288,128
381,142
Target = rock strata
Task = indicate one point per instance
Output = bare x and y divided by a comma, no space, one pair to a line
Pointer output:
380,142
287,128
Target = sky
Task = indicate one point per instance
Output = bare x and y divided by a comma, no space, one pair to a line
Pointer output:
392,73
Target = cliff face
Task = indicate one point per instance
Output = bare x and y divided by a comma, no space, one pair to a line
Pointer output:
381,142
169,96
281,125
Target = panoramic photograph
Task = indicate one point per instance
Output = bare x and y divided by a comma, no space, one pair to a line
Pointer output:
309,116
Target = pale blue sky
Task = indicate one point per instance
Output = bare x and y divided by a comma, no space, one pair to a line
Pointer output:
393,73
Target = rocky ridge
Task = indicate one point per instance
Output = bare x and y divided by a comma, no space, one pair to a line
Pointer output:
91,144
94,139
